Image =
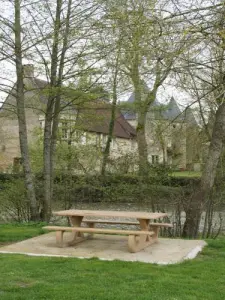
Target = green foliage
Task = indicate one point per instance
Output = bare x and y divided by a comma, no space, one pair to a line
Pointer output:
184,181
160,174
112,188
5,177
76,158
36,151
70,188
124,164
13,201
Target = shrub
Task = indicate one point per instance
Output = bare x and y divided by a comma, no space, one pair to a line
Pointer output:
13,201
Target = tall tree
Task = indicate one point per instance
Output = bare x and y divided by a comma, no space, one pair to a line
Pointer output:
148,55
204,66
47,151
114,69
61,64
21,113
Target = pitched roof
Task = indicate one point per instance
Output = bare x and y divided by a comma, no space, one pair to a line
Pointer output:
93,116
189,117
172,111
96,118
131,115
145,90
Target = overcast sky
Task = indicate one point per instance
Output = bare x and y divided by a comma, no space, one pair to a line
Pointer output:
7,71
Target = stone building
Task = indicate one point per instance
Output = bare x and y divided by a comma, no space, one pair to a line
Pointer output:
88,124
173,136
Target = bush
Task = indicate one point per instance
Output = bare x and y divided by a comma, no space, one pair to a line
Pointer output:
13,201
113,188
156,189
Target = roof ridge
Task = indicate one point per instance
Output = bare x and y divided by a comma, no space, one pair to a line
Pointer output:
127,123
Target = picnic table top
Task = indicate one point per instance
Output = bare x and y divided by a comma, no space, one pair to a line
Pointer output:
106,213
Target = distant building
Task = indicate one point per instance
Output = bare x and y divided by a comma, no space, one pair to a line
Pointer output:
173,137
88,124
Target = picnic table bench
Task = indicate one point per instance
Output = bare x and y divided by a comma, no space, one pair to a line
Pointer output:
137,239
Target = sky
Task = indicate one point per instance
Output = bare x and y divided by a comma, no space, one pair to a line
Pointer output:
8,76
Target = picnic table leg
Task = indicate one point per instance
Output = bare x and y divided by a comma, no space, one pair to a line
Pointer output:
137,243
77,237
91,225
59,238
156,232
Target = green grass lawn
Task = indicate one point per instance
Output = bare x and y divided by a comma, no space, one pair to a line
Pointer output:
186,174
36,278
18,232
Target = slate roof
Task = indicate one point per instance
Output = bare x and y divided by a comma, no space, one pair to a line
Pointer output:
129,115
189,117
172,111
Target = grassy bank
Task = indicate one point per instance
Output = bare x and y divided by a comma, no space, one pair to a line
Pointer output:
188,174
10,233
37,278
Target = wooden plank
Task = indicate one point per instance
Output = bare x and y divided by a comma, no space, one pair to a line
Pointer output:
125,223
99,230
102,213
161,224
111,222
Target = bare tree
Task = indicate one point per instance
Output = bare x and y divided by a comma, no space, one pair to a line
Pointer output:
64,49
15,55
204,66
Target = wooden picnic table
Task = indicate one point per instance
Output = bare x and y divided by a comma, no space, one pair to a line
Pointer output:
138,239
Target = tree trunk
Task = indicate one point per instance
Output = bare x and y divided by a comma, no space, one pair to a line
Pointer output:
47,168
142,144
196,205
48,188
113,115
29,182
55,120
142,109
110,135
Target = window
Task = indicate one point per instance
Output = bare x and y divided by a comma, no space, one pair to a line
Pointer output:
114,143
98,140
65,130
83,138
104,139
77,136
80,137
155,159
42,124
132,145
88,138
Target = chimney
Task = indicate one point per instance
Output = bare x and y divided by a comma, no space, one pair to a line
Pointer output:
28,71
